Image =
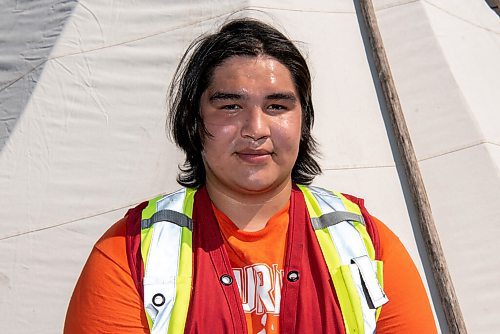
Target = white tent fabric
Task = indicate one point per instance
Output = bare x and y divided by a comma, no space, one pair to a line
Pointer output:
82,130
448,81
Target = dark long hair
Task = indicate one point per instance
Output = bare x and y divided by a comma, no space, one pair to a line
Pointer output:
240,37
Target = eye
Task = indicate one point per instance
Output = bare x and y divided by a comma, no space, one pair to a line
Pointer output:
231,107
277,107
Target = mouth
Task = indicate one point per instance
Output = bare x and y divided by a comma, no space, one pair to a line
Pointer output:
254,156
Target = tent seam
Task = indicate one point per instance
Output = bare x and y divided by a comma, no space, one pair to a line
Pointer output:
466,147
481,142
396,5
461,18
67,222
302,10
115,44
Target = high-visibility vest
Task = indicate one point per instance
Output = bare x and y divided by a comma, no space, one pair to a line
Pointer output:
166,249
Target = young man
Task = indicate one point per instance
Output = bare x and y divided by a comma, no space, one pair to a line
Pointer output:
247,246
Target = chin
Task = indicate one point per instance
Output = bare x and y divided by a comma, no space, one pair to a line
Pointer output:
253,185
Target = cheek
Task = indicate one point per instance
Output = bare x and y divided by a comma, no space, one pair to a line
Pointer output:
221,136
287,133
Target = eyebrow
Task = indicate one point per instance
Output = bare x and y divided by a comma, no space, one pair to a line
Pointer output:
225,96
238,96
282,96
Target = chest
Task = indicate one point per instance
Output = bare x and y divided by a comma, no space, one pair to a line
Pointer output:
307,302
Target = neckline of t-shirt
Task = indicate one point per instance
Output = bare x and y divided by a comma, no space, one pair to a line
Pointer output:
224,221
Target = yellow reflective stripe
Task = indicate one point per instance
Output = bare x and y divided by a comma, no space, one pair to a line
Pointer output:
147,233
146,236
189,202
185,273
349,296
150,322
349,206
333,263
311,203
380,277
361,228
183,283
330,253
150,209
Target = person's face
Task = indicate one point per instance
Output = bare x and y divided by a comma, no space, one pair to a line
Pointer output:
252,110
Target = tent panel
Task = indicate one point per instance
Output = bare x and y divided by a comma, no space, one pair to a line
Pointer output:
463,189
435,110
87,134
28,31
102,24
469,37
42,269
91,139
345,100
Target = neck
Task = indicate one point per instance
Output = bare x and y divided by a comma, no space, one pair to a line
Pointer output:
249,211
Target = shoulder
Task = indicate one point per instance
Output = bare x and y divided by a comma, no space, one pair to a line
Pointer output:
112,244
408,310
104,298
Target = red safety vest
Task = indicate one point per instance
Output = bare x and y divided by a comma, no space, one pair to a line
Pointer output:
308,305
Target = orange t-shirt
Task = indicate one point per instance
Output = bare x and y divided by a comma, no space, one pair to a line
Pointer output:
105,299
258,259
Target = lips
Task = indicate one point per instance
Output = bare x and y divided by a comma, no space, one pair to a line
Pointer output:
254,156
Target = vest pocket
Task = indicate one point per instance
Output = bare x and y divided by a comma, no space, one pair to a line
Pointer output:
364,273
364,291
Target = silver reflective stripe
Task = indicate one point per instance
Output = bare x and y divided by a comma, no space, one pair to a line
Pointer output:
162,263
173,201
327,201
175,217
347,241
161,273
335,217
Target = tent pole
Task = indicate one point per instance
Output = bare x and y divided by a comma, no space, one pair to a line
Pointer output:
430,236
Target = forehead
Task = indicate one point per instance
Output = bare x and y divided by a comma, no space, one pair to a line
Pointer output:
251,72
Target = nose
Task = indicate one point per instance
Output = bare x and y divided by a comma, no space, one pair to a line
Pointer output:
255,124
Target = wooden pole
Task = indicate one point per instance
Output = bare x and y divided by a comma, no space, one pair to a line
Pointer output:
430,236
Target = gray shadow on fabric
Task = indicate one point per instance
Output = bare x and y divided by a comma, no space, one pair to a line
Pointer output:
28,32
401,173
